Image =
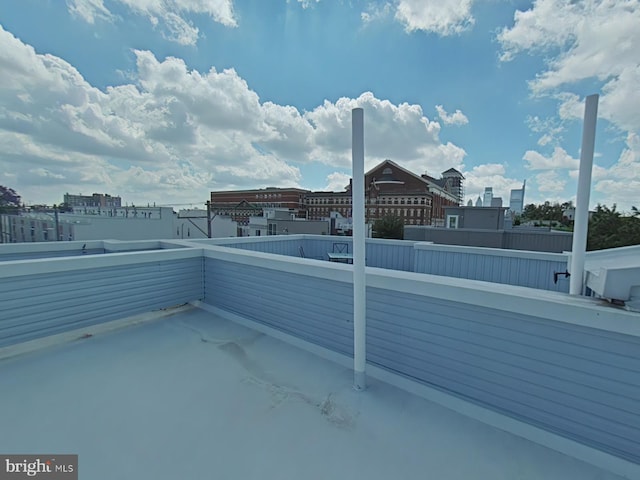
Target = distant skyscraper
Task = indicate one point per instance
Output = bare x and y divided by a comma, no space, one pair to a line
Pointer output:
488,196
516,201
470,203
479,201
495,202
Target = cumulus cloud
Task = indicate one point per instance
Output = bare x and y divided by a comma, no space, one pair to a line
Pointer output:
444,17
583,40
489,175
455,118
337,181
89,10
178,132
399,132
559,159
549,182
170,16
620,183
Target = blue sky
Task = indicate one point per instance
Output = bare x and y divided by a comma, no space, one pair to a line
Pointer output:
166,100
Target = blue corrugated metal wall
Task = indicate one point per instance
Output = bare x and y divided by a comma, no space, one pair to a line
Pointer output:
35,306
381,254
314,309
282,246
391,255
510,270
5,257
579,382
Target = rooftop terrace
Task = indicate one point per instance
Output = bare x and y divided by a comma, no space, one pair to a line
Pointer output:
211,360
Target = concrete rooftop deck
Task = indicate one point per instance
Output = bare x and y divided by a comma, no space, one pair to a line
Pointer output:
195,396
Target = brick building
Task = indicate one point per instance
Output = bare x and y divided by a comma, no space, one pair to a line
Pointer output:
242,204
389,189
393,190
98,200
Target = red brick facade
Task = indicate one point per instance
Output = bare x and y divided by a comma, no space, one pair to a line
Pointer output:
241,204
389,190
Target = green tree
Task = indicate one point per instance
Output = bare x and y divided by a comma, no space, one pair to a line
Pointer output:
547,213
389,226
608,228
9,200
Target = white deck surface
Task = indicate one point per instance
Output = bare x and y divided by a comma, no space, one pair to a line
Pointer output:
193,396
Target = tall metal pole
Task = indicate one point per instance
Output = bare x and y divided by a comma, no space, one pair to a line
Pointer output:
359,245
208,219
55,212
581,220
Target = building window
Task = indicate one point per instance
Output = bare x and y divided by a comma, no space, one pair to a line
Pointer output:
452,221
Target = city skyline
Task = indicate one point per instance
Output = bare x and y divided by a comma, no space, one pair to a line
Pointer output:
167,100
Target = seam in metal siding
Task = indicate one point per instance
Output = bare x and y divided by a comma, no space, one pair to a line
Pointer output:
525,272
35,306
579,382
314,309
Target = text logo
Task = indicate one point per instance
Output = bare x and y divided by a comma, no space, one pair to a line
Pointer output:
49,467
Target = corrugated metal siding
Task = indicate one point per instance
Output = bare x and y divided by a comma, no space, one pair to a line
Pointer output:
35,306
279,247
525,272
5,257
317,310
390,256
378,253
318,247
579,382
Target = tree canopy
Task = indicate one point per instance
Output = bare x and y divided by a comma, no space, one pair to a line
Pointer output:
9,199
389,226
547,212
608,228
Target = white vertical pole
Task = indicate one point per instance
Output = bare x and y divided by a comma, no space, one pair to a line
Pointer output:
581,220
359,281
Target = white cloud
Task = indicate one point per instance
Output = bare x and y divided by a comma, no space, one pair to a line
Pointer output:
455,118
443,17
550,183
560,159
550,128
376,12
89,10
337,181
595,39
398,132
169,15
307,3
178,133
620,183
489,175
